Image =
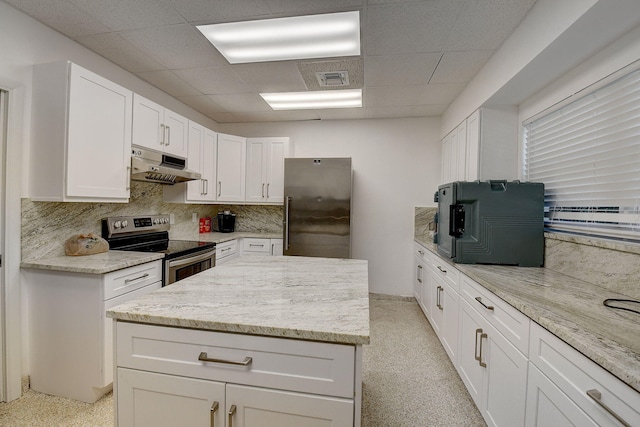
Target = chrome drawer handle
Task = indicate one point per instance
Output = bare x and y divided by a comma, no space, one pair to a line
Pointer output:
441,269
204,358
597,396
232,412
214,409
144,276
488,307
482,335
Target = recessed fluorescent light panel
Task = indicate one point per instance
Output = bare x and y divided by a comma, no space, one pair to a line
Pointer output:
351,98
281,39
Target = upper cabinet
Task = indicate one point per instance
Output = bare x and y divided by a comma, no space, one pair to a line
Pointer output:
483,147
202,157
231,168
265,169
81,136
158,128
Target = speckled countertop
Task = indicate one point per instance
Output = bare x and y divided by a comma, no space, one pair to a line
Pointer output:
117,260
93,264
570,309
316,299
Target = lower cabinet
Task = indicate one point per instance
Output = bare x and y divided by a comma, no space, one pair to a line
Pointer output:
493,370
444,310
159,400
170,376
260,246
226,251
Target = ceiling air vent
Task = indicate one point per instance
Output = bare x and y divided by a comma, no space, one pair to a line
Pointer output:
333,78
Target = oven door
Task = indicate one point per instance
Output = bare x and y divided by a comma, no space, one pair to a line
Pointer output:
188,265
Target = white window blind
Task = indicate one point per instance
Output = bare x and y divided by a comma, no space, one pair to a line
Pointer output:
587,153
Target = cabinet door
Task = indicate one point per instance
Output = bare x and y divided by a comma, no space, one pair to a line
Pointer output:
449,303
256,407
231,168
99,137
276,247
208,171
277,150
176,140
437,312
469,368
547,405
446,159
148,124
152,399
461,152
256,170
195,161
473,147
418,277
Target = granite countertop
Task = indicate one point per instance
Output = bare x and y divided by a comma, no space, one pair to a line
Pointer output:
569,308
315,299
117,260
93,264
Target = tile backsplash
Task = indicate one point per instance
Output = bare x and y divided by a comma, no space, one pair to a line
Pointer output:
47,225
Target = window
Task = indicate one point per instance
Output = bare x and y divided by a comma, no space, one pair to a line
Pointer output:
587,153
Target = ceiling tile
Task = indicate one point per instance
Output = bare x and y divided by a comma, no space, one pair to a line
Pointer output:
391,96
224,117
214,11
409,27
240,103
460,67
118,50
61,16
127,14
400,69
272,116
309,6
271,76
442,93
484,24
202,103
353,66
213,80
176,46
342,114
169,82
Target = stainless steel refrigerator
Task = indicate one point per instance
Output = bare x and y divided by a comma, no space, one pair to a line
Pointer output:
317,209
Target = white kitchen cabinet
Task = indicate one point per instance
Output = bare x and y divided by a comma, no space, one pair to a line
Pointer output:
231,168
493,370
578,388
226,251
256,381
444,304
81,136
260,246
422,279
265,169
483,147
203,144
159,128
70,337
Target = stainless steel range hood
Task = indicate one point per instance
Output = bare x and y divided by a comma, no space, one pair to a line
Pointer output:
151,166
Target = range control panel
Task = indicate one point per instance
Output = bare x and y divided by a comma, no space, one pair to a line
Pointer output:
135,224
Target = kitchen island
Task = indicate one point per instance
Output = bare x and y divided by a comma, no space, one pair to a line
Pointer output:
258,341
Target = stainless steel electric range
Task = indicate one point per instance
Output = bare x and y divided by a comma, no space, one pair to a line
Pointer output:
150,233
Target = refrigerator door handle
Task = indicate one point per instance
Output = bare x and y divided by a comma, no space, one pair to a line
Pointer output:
286,223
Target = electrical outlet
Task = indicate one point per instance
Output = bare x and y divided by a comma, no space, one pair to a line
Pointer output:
194,217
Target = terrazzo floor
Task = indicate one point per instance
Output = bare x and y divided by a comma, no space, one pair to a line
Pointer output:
408,381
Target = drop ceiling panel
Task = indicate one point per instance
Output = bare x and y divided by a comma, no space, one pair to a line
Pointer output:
169,82
440,93
213,80
353,66
127,14
460,67
202,103
240,103
392,96
271,76
405,69
273,116
61,16
175,46
220,10
484,24
416,27
118,50
310,6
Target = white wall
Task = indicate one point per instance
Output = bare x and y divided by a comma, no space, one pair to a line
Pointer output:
396,165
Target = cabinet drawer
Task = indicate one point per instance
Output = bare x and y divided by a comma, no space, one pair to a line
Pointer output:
576,375
422,253
295,365
506,319
128,279
446,271
256,246
226,250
